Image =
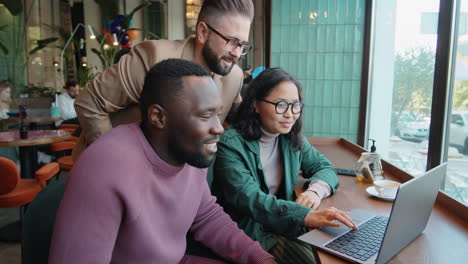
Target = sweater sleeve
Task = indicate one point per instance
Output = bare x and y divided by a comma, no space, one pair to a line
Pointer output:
239,187
87,221
113,90
214,228
316,166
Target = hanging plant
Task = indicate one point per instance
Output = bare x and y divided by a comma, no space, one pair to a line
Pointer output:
120,25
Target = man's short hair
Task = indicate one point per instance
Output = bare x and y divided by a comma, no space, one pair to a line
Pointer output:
4,85
70,84
164,80
213,9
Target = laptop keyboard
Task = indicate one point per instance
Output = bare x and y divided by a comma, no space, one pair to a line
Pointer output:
363,243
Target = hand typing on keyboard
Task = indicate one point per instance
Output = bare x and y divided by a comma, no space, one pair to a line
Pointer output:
325,217
364,243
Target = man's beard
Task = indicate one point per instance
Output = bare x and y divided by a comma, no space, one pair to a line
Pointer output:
214,63
196,159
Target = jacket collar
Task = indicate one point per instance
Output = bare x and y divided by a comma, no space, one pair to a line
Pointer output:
188,48
253,146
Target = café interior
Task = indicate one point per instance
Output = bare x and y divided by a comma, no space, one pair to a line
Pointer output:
386,76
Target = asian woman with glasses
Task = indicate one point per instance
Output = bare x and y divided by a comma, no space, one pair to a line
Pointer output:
257,166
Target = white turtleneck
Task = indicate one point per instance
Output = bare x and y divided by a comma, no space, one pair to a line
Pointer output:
272,163
270,156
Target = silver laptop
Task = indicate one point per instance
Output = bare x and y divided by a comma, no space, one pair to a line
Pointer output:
379,238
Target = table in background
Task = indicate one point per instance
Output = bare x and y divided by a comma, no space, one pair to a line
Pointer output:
33,117
28,147
32,121
445,239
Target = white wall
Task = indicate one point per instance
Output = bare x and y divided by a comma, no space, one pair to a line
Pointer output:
92,16
176,19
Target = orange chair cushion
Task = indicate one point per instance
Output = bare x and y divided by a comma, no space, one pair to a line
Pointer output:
9,175
47,171
74,126
63,145
24,192
66,163
69,130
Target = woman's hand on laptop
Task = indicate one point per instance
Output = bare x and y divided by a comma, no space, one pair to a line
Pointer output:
325,217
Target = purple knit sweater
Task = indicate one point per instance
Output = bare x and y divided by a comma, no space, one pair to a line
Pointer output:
123,204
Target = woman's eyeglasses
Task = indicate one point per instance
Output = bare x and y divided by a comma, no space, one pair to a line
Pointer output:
282,106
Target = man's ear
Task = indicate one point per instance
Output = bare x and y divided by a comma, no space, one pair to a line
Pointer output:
157,116
202,32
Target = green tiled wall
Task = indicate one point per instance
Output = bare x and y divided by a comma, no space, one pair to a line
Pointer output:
11,65
320,43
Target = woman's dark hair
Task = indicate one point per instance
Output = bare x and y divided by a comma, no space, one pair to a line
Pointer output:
247,121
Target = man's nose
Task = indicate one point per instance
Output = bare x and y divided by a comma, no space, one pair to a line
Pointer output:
217,128
236,52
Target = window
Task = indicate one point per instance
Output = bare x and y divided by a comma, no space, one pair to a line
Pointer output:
456,182
404,45
155,19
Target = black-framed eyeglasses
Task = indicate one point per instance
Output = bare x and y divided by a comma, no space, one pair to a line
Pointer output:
232,43
282,106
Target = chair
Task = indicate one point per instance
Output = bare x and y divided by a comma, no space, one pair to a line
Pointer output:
15,191
74,130
62,151
71,128
18,192
38,223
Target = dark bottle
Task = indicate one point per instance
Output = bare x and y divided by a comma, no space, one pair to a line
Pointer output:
23,131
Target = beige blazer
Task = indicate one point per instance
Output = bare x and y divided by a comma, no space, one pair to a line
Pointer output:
112,97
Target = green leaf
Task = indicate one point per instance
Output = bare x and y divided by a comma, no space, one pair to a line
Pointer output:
36,49
127,19
42,43
3,28
101,57
45,42
3,48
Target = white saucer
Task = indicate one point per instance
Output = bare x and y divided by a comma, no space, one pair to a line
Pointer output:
372,191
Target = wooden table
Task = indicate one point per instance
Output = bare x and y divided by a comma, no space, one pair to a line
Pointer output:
445,239
28,147
33,117
33,120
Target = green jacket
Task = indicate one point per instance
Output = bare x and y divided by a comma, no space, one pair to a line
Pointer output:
240,186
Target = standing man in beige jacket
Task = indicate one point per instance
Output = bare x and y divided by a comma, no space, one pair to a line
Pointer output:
221,38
